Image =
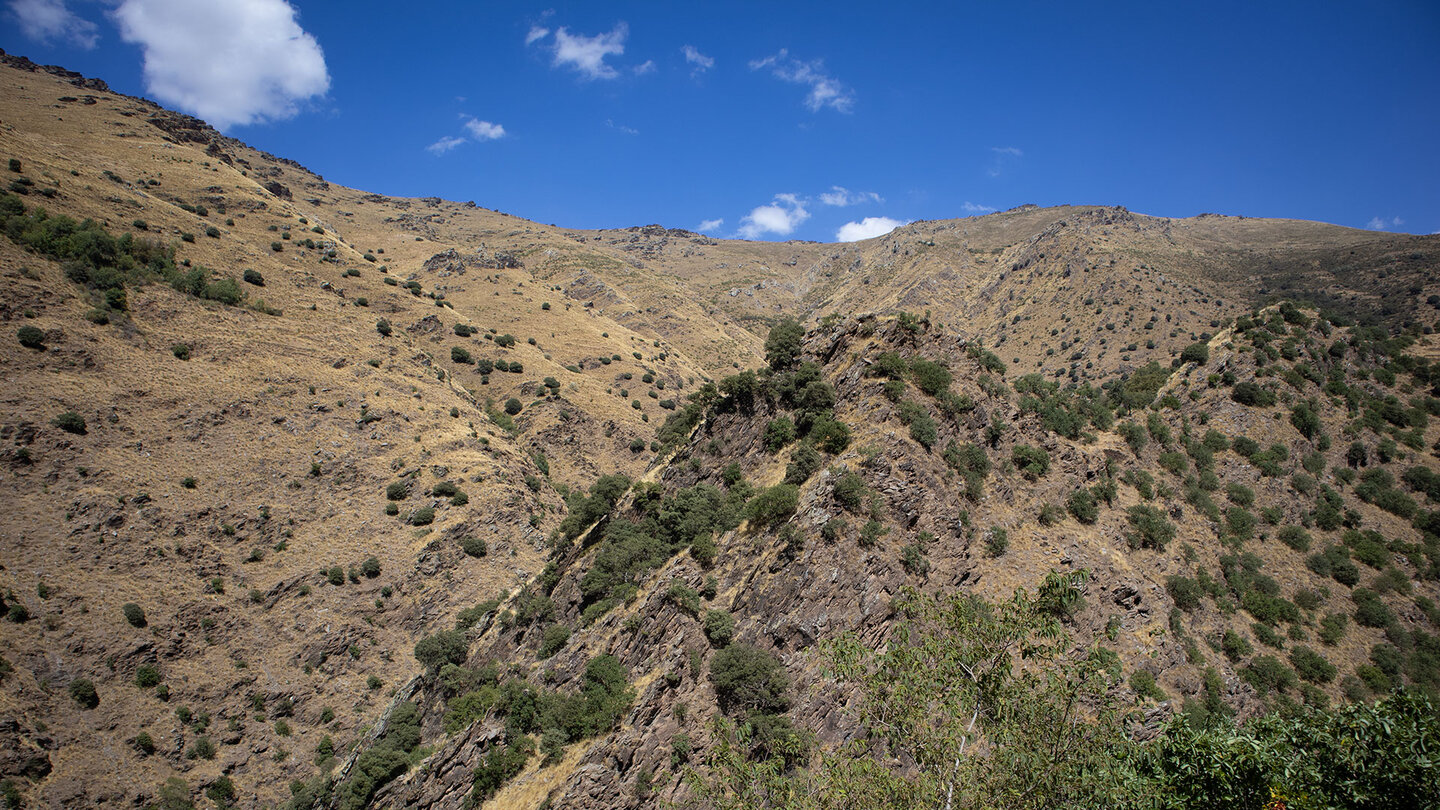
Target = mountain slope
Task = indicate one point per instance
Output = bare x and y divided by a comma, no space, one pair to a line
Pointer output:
266,365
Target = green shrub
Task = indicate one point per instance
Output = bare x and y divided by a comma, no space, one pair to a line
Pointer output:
1134,436
871,532
1294,537
1235,646
383,327
146,676
512,406
1311,665
779,432
1185,592
1267,673
1150,527
748,679
997,542
931,377
474,546
719,627
552,640
1143,682
850,490
773,504
1333,627
1251,394
70,422
1083,506
134,614
423,516
370,568
459,354
82,691
1032,462
31,337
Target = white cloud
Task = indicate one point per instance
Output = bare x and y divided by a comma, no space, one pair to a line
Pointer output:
867,228
484,130
1001,158
694,57
825,90
780,217
710,225
587,54
621,127
444,145
49,21
230,62
536,33
974,208
648,66
1383,224
840,196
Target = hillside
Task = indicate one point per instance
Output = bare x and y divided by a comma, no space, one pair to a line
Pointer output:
265,433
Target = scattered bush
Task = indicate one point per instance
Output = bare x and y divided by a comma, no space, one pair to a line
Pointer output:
1032,462
82,691
70,422
719,627
997,542
474,546
748,679
134,614
31,337
1311,665
1150,527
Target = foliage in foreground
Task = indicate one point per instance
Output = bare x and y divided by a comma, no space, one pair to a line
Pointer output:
979,705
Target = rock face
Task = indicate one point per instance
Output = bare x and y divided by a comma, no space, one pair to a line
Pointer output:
452,261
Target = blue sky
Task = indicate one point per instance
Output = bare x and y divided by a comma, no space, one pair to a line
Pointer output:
819,121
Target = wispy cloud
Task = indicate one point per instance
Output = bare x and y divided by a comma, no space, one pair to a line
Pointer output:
1002,158
710,225
698,60
239,62
648,66
825,90
621,127
867,228
780,217
444,145
49,21
585,55
840,196
975,208
484,130
1383,224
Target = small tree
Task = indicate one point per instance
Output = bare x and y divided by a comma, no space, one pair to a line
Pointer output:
783,344
444,647
749,679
